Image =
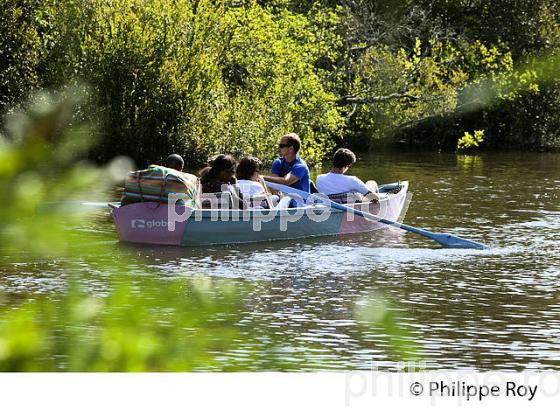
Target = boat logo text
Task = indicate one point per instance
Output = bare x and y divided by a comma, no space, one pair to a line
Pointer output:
143,224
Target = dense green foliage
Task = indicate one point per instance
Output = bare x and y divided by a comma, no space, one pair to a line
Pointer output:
471,69
200,77
197,77
20,52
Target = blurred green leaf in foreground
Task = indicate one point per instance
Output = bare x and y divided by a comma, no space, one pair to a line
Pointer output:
379,312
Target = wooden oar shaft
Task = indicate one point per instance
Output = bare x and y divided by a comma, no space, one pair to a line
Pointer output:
267,194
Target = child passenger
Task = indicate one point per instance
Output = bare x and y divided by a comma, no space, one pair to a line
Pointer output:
249,181
340,187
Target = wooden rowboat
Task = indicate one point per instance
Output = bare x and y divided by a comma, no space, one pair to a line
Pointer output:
162,224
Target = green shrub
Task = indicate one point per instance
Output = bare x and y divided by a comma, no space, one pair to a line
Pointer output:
20,51
196,77
469,140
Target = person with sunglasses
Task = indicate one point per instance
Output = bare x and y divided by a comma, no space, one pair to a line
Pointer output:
290,169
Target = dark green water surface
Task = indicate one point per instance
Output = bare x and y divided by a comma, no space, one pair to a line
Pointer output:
487,310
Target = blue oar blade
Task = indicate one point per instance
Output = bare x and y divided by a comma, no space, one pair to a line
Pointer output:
446,240
451,241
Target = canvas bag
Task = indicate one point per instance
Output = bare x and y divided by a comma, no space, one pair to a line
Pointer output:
156,183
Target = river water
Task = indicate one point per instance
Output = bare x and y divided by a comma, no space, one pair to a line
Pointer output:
496,309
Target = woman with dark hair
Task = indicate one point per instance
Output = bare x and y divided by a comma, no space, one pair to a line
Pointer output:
219,177
221,171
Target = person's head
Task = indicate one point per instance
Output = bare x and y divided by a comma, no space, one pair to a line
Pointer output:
343,158
210,160
289,144
248,167
224,167
175,161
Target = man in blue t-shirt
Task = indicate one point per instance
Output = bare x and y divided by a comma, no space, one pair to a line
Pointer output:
290,169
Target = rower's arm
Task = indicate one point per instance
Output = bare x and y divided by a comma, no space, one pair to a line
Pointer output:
289,179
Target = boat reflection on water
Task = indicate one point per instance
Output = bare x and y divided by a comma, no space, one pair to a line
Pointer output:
262,259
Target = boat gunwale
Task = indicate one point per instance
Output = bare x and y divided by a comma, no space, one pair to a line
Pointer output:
204,213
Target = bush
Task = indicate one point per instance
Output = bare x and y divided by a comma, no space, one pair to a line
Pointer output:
20,51
193,77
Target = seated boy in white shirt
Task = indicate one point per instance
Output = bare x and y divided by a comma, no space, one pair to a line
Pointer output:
345,188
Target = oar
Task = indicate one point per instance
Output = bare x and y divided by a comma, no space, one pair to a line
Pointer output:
100,205
446,240
76,206
267,194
